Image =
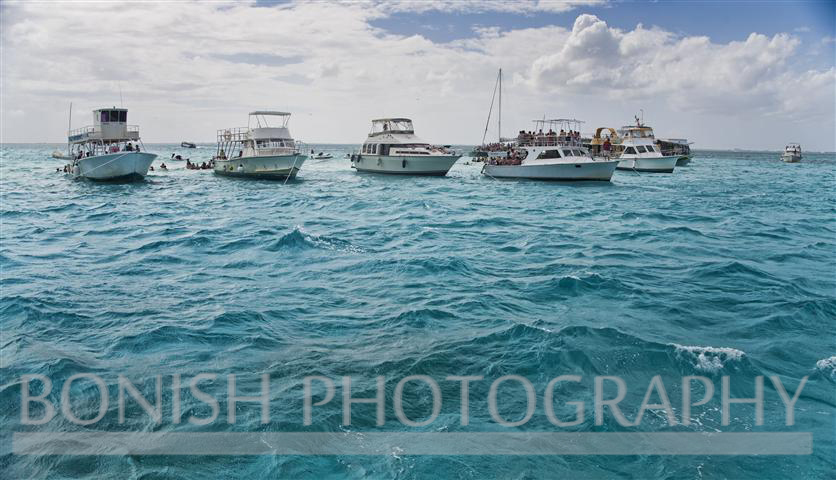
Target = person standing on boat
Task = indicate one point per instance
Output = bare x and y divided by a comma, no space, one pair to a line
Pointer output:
607,147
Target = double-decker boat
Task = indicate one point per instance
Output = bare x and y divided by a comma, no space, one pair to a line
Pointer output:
392,147
792,153
262,151
110,149
551,155
640,153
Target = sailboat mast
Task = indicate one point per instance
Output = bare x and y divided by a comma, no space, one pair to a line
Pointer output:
499,132
69,128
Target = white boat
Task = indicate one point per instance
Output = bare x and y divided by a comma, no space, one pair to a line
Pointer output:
792,153
392,147
640,153
551,155
321,156
188,145
676,146
109,149
261,151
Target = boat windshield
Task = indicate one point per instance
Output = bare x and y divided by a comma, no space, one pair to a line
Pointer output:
392,125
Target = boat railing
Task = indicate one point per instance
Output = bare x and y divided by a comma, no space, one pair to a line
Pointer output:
232,135
548,141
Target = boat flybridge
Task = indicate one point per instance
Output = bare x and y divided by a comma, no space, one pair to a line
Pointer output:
110,149
553,151
792,153
640,153
392,147
260,149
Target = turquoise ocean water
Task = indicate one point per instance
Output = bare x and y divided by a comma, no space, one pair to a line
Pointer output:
726,267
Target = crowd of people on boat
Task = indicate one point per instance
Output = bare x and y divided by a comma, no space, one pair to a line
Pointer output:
513,157
495,147
91,152
550,138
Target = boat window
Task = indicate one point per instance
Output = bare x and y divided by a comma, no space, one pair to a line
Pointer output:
567,153
549,154
630,151
577,153
640,149
374,148
104,117
123,116
114,116
650,148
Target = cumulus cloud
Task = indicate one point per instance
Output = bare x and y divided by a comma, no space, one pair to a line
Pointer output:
750,76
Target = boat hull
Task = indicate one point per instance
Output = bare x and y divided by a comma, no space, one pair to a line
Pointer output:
790,158
114,166
437,165
278,167
650,165
683,160
566,172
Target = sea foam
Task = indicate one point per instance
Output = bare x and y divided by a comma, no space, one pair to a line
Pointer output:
709,359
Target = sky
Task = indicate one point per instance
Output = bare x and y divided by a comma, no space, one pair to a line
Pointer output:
751,75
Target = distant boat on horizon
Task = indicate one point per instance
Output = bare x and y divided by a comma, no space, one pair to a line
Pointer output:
188,145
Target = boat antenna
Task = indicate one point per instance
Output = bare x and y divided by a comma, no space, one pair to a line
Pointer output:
121,104
642,110
493,97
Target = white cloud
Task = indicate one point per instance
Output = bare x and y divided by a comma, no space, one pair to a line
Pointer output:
751,77
188,69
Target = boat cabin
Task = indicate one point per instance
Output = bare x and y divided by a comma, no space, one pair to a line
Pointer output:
395,136
261,137
109,124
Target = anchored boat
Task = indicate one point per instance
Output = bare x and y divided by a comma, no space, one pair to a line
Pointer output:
551,155
109,149
262,151
392,147
792,153
188,145
676,146
640,153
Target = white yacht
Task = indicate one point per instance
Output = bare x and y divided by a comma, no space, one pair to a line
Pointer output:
392,147
551,155
109,149
792,153
259,150
640,153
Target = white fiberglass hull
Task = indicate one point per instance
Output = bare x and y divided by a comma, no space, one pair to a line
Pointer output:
583,171
650,164
791,158
274,166
405,165
114,166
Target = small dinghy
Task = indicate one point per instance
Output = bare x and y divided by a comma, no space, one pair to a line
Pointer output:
322,156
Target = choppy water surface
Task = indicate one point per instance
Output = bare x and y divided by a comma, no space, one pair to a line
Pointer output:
726,267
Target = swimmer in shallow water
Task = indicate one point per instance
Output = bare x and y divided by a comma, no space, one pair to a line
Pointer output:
163,166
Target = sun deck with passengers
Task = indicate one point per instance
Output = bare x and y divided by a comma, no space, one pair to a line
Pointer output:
110,149
639,151
261,150
392,147
552,151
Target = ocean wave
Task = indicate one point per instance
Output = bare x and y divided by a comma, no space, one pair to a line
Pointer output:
827,365
709,359
298,239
